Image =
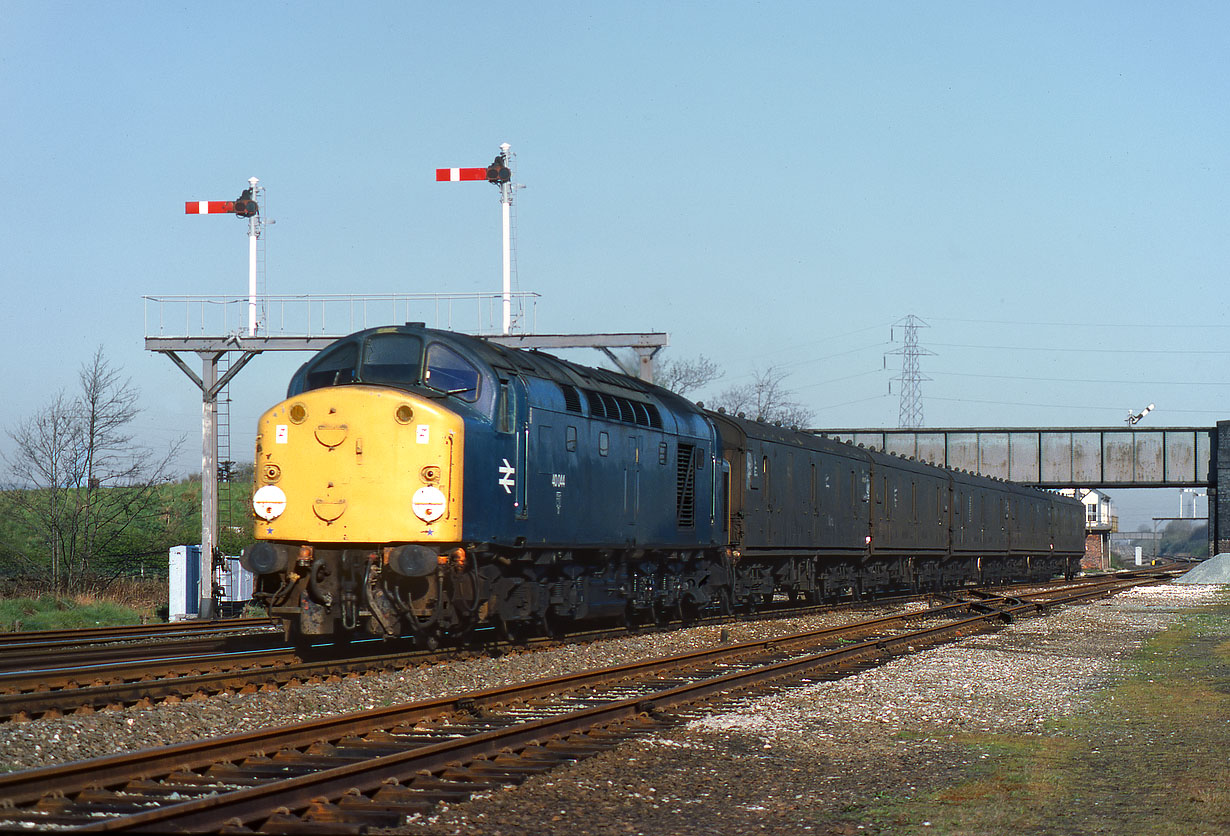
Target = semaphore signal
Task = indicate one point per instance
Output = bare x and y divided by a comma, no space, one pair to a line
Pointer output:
244,207
499,173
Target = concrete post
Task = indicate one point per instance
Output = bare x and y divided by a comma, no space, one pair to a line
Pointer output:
209,477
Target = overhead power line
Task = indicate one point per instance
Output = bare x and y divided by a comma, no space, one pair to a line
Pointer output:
1135,326
1103,408
1086,380
1083,349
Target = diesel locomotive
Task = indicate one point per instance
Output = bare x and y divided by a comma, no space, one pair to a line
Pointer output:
422,482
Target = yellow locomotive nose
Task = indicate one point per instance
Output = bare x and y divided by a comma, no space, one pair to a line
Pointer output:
359,464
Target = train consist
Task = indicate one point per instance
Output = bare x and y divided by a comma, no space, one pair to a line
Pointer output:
422,482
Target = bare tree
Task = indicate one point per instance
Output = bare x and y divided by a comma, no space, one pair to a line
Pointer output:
680,376
684,376
766,399
77,475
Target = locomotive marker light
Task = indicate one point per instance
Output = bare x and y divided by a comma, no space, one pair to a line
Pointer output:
269,502
498,174
429,503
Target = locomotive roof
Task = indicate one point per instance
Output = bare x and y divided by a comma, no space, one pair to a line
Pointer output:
540,364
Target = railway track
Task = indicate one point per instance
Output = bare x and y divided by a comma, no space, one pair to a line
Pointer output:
118,675
108,646
76,638
375,767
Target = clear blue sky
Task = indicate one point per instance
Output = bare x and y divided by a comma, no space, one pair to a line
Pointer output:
772,183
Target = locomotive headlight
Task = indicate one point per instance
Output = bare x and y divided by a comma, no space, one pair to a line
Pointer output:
269,502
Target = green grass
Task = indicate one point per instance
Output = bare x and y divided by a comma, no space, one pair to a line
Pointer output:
49,613
1151,760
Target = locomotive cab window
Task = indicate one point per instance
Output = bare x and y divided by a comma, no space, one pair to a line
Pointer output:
449,372
392,358
334,368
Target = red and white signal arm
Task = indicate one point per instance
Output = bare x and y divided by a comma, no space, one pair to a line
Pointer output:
429,503
455,175
209,207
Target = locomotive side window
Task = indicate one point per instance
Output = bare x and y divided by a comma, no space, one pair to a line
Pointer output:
570,439
604,444
506,410
448,371
334,368
392,358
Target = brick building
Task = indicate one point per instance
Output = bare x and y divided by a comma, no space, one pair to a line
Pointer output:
1100,522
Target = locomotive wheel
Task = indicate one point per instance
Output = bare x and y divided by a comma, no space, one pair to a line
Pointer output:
556,625
636,618
514,632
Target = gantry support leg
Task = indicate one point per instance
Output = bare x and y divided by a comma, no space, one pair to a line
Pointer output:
210,385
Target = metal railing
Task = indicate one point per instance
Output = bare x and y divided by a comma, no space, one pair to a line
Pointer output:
331,314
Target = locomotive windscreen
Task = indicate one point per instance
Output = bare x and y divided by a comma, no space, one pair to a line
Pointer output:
394,359
448,371
333,368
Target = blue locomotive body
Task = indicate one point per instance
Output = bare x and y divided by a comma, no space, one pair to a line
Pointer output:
575,458
425,481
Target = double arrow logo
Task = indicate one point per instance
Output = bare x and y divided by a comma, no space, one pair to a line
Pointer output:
508,475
